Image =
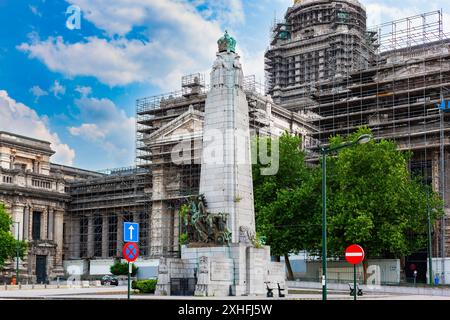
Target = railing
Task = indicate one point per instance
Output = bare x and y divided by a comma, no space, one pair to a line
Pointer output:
7,179
41,184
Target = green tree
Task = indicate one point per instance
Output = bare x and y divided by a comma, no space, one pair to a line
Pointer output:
121,269
375,201
286,203
8,243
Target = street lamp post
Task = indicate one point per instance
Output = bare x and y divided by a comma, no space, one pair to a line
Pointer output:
17,253
324,151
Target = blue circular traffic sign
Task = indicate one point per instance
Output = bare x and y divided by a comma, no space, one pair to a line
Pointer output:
130,251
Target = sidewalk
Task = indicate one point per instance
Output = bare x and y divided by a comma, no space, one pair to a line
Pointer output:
372,289
61,285
60,292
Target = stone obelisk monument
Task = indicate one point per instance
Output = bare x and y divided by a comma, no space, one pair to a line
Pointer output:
226,172
222,259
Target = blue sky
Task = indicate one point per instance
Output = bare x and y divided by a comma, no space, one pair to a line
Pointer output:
77,88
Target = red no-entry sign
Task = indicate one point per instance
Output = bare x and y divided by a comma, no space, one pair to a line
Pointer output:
130,251
354,254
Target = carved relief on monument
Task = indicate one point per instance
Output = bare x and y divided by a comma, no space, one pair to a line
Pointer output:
246,235
203,273
201,226
163,285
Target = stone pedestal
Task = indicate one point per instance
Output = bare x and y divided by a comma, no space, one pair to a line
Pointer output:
237,270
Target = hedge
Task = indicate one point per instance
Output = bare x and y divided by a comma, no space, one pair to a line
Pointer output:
144,286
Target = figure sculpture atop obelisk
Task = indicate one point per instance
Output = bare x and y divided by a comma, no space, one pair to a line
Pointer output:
226,173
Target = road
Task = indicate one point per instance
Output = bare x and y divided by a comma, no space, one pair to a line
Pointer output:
120,293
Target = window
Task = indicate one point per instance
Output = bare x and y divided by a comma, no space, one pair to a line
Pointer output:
36,227
112,235
98,236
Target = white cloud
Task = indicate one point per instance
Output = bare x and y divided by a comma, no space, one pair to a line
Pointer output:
17,118
120,16
84,91
88,130
446,24
107,127
57,89
184,42
38,92
122,61
253,64
227,12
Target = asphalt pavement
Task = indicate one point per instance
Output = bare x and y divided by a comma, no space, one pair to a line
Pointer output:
120,293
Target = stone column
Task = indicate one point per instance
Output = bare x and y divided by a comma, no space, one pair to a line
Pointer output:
17,216
90,237
58,237
119,234
30,226
156,232
17,211
26,223
51,224
155,239
137,220
136,217
105,240
176,231
44,219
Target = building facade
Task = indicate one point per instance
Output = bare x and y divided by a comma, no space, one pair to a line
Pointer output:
393,78
327,74
34,193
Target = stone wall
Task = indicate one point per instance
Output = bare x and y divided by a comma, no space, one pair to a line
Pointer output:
238,270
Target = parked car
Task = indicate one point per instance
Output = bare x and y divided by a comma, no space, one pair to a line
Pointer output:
109,281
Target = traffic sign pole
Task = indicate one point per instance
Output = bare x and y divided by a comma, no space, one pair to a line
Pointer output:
354,255
354,282
129,275
130,253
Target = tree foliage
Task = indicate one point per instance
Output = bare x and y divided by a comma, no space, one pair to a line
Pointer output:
372,199
375,201
8,243
285,203
121,269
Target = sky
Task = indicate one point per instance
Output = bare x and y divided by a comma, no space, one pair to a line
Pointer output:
77,87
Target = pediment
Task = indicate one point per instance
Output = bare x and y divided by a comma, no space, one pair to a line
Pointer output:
189,123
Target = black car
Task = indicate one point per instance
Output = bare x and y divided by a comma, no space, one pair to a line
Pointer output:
109,281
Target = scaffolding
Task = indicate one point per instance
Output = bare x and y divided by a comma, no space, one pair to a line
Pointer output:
169,183
316,41
397,95
163,121
99,206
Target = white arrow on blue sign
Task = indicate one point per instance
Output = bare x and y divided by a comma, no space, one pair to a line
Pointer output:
130,232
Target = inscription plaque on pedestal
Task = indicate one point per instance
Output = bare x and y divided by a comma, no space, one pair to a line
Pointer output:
221,270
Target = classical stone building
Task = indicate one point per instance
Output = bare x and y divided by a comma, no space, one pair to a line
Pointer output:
34,192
